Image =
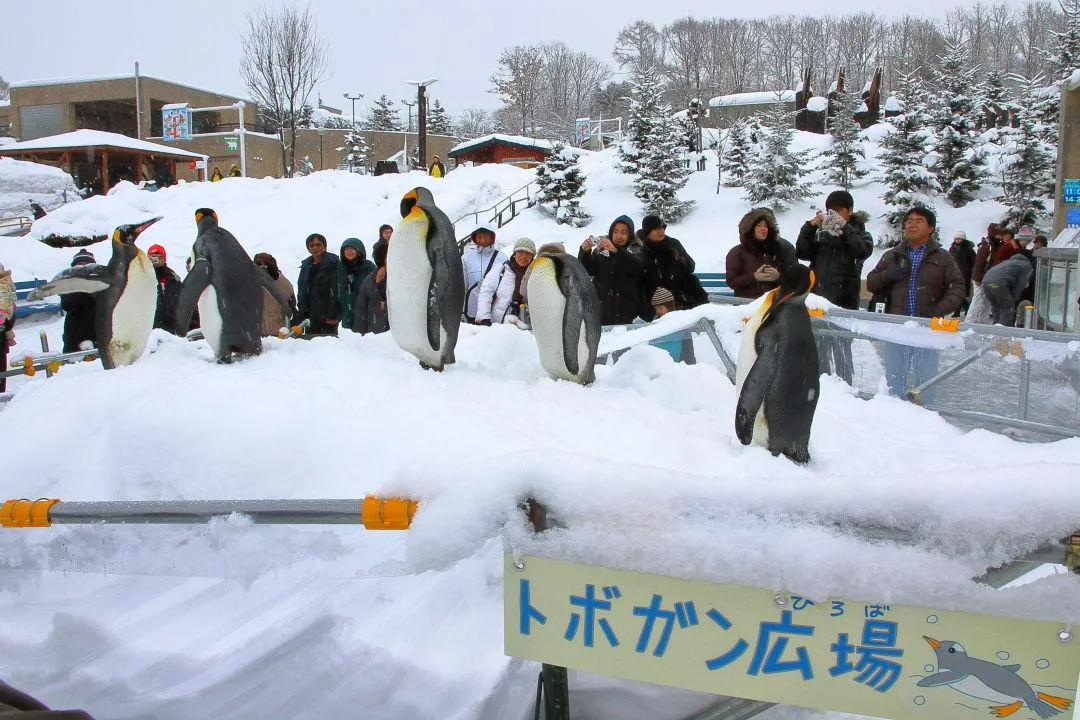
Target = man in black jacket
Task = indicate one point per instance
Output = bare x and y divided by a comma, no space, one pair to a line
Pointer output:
79,311
316,289
616,262
668,265
963,252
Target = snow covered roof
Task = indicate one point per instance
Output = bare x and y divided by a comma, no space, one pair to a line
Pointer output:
97,138
517,140
817,104
765,97
108,78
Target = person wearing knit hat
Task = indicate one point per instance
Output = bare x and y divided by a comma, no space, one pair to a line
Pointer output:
168,290
669,265
500,293
680,346
663,301
963,253
80,331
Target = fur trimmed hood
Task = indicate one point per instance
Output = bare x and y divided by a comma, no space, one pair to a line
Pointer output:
752,218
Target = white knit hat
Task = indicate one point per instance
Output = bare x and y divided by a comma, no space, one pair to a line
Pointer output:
525,244
959,235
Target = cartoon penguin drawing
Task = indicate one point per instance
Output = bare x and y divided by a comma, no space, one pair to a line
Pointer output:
996,684
125,296
777,375
425,288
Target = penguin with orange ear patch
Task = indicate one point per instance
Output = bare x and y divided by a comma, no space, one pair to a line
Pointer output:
777,376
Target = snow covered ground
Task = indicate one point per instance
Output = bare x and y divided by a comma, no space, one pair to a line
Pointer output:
250,621
21,182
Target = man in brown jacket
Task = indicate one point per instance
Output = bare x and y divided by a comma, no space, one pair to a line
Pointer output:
918,278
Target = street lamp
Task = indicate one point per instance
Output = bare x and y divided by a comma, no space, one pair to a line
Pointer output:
421,114
354,99
410,106
321,131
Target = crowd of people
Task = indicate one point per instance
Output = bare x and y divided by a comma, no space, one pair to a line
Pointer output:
641,274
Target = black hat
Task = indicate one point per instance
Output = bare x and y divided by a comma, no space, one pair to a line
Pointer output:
650,223
83,257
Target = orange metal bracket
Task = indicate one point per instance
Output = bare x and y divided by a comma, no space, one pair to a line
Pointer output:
389,514
945,324
26,513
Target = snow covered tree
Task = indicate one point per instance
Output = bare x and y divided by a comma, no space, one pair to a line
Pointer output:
5,89
960,165
1043,103
438,121
304,167
562,185
1028,164
776,177
384,116
645,101
356,151
735,155
846,150
995,101
1066,55
903,157
304,116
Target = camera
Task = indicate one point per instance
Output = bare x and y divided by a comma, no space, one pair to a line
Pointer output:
596,239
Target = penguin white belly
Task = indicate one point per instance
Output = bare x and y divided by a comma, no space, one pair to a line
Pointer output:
210,318
407,285
747,358
133,314
976,688
547,305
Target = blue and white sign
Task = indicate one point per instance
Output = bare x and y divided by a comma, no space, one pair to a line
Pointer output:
1070,188
176,122
1072,217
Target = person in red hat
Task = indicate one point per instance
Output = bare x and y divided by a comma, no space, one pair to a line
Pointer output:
168,290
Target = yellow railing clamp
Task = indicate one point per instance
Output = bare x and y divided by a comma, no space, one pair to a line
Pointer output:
26,513
945,324
387,514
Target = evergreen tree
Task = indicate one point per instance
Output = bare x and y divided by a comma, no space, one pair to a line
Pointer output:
303,118
1028,164
960,165
383,115
562,185
645,102
995,101
304,167
736,155
438,122
356,151
903,157
1066,54
846,150
1043,103
776,177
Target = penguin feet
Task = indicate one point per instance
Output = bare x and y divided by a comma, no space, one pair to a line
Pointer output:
431,367
1006,710
1059,702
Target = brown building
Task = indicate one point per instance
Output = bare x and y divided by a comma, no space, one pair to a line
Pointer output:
53,107
510,149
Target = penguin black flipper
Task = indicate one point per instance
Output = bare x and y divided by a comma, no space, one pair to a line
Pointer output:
197,280
288,309
755,387
945,677
90,278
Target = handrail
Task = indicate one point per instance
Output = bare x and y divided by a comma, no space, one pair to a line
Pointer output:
15,226
502,205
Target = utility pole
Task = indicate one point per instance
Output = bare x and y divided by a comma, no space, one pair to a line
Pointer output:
410,106
354,99
421,115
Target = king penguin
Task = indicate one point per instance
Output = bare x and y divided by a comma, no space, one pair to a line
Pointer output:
425,287
227,285
777,376
125,296
564,310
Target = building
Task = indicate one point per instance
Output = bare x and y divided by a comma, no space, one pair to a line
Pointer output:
510,149
726,109
132,106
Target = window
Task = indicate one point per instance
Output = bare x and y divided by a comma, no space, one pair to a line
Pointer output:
37,121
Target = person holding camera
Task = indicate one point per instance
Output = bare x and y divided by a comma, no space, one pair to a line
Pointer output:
918,278
755,264
616,264
500,293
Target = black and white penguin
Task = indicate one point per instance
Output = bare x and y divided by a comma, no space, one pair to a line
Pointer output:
564,311
125,296
425,287
227,285
777,376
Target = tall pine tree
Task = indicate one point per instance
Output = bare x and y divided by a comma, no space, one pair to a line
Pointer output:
995,101
735,156
356,151
664,169
562,185
960,165
1028,163
903,157
846,149
383,115
438,122
776,177
645,102
1066,54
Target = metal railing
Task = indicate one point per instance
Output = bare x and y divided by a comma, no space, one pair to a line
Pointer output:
503,211
15,227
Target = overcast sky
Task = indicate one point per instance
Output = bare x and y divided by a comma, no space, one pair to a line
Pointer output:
375,45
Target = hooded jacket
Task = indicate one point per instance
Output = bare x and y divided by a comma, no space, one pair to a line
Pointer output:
963,253
476,263
667,264
744,259
620,277
836,259
350,276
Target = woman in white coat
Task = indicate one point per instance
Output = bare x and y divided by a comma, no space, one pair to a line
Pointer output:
500,293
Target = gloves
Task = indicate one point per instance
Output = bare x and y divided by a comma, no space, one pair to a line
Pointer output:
486,322
833,224
766,273
895,274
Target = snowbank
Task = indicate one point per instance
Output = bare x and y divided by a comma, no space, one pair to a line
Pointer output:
21,182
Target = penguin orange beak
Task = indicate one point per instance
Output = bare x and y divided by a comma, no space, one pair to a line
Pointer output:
813,279
933,643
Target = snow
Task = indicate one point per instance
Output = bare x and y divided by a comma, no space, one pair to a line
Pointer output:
512,139
817,104
752,98
22,181
893,105
243,621
98,138
108,78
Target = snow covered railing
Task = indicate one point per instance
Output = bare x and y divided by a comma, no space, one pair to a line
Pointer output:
15,227
524,195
